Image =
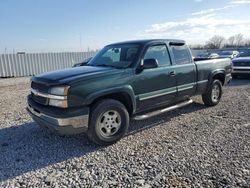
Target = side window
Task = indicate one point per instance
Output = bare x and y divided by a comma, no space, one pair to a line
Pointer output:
160,53
181,54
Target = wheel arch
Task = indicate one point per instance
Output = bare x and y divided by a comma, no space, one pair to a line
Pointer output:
219,75
125,95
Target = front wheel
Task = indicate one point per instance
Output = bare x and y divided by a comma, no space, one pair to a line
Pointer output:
109,121
213,94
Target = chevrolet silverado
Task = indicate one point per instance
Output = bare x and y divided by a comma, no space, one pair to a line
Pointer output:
134,79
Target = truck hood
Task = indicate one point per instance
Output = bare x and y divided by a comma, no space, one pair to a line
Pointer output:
242,60
69,75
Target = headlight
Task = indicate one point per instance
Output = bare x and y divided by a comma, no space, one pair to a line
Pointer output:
61,90
58,96
58,103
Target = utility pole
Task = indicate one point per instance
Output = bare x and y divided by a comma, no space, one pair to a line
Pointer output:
80,42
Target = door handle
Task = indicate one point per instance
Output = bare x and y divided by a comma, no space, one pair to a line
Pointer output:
172,73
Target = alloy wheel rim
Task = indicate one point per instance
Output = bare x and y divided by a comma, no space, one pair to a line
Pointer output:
109,123
215,93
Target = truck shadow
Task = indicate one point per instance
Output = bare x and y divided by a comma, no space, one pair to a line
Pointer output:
25,148
138,126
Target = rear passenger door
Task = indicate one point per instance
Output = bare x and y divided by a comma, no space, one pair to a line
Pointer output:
185,70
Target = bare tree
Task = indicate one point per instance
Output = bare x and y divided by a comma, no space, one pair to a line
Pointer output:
197,47
231,41
235,41
247,42
239,41
215,42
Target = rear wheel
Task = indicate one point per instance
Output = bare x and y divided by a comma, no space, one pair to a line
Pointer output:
213,94
109,121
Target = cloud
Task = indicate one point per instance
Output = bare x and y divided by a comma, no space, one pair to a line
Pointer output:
197,29
238,2
201,25
198,1
212,10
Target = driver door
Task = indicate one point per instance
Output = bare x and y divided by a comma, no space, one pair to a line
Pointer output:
157,86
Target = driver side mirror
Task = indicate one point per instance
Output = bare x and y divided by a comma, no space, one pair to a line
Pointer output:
150,64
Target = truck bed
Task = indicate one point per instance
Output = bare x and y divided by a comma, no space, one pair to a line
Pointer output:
205,69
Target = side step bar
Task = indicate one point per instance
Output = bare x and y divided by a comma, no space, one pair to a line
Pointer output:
157,112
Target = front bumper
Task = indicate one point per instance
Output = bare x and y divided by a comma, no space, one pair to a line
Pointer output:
228,78
63,121
241,70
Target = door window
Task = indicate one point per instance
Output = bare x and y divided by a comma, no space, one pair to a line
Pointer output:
160,53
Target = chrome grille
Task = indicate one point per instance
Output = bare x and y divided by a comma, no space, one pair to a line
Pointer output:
41,88
241,64
40,100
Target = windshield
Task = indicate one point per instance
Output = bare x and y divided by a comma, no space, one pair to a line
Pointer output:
118,56
225,53
244,53
204,55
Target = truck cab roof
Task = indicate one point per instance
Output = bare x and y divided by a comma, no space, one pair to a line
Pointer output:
147,41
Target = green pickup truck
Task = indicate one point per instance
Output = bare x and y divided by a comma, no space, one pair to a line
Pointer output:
134,79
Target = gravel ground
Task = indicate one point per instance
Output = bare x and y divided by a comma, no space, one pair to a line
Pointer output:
191,147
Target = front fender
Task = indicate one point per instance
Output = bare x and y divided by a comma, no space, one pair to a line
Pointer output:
127,89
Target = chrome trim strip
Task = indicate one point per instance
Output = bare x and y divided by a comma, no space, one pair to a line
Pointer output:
151,114
243,67
49,96
157,93
241,72
179,88
202,81
76,122
186,88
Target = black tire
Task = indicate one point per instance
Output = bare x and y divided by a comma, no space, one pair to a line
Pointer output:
208,97
116,127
